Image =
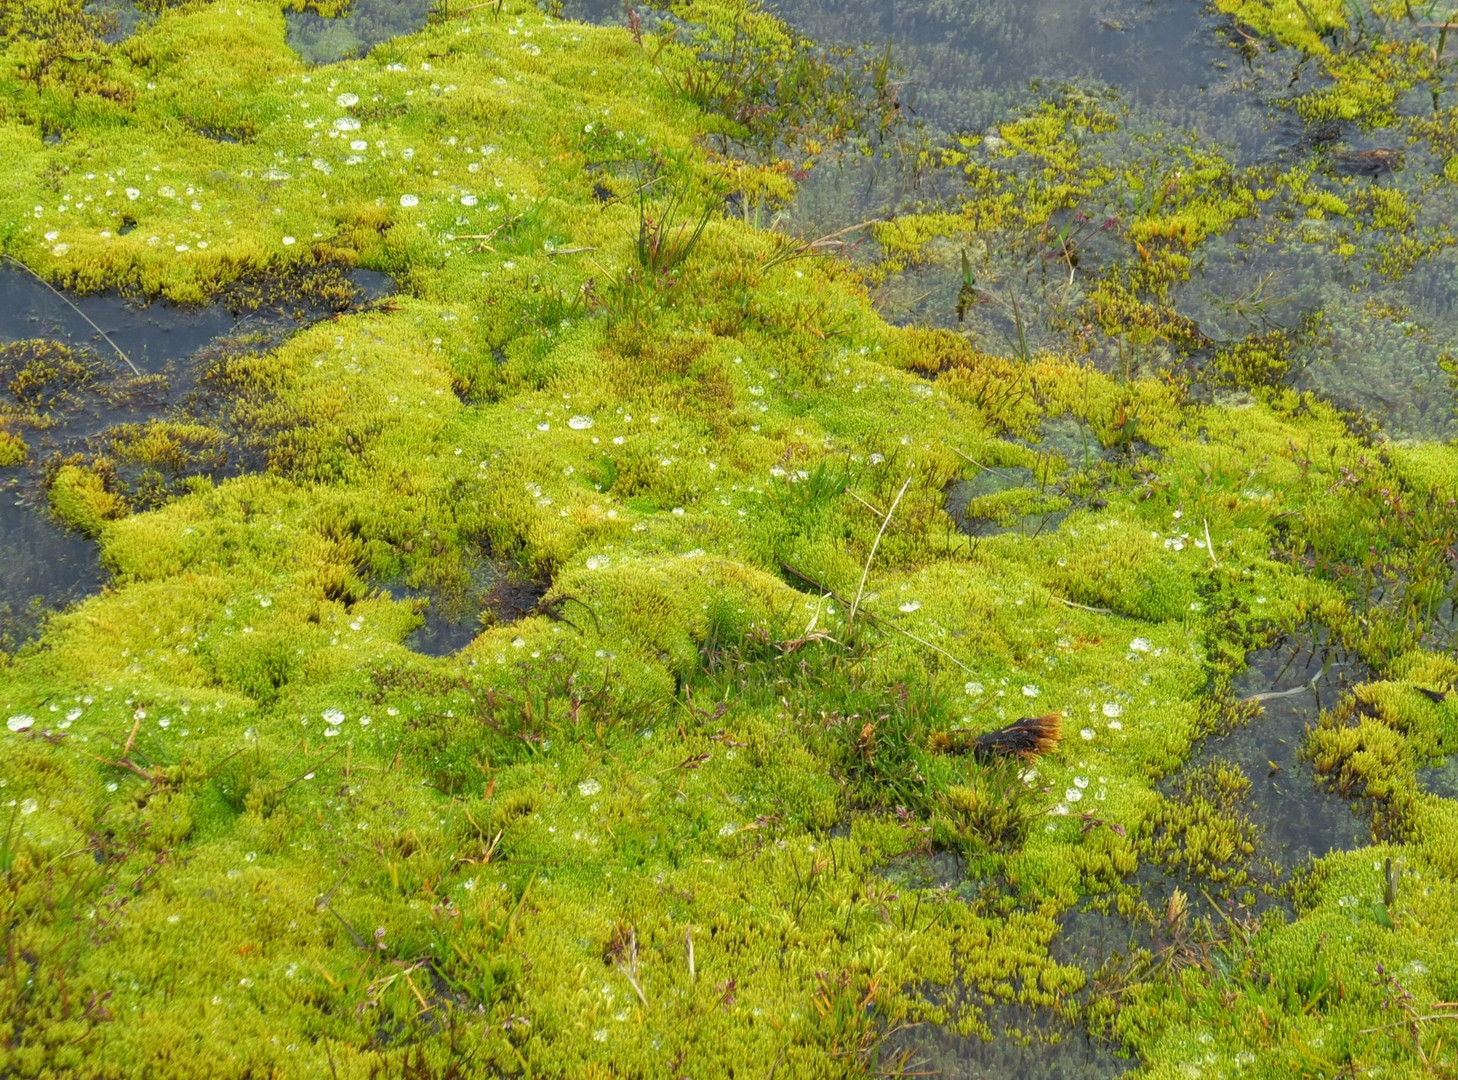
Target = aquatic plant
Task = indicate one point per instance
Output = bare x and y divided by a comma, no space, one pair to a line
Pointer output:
665,238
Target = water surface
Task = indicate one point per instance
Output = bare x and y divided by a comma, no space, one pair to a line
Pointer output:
1364,329
136,362
367,24
1293,681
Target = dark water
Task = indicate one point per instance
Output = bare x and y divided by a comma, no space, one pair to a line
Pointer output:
1066,446
150,337
1367,332
122,18
368,23
1072,440
989,481
1088,938
317,40
153,336
937,870
967,63
497,594
1440,779
1296,679
1027,1043
44,567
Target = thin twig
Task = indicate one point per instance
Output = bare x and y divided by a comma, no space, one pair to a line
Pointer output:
688,937
863,502
132,767
104,335
787,568
974,461
929,645
137,723
1414,1020
485,238
866,571
328,905
1274,694
1209,545
1083,607
632,976
812,247
425,1006
474,7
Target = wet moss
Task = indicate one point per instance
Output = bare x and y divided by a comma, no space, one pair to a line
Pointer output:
44,375
380,861
13,450
82,499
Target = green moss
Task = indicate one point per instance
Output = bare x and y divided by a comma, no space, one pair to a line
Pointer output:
13,450
720,721
79,498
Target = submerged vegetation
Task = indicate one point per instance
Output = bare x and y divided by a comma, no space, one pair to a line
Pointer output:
738,651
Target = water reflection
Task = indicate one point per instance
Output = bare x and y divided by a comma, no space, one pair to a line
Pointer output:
368,23
493,593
